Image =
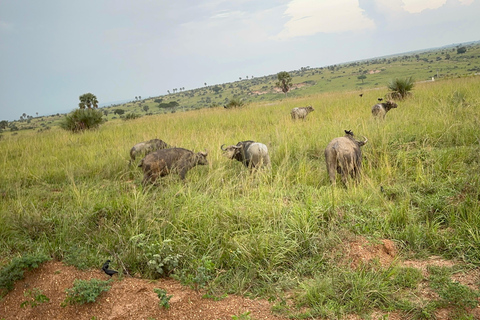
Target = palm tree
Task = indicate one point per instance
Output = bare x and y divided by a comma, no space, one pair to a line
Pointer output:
400,88
284,81
88,100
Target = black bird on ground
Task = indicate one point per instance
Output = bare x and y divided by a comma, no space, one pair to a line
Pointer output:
105,269
361,95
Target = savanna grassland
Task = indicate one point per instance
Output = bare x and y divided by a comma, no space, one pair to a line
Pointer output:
278,233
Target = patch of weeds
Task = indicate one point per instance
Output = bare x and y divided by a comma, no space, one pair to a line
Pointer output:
76,256
420,312
459,98
35,297
15,269
280,307
161,257
452,293
164,298
203,274
407,278
344,291
85,291
460,296
243,316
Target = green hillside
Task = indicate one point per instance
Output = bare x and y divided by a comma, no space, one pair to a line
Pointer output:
443,63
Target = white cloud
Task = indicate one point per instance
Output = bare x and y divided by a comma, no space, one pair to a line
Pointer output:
416,6
309,17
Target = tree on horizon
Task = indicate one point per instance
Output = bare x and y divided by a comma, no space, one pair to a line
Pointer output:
88,100
284,81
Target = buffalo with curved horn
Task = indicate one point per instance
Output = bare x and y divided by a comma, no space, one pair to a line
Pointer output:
252,154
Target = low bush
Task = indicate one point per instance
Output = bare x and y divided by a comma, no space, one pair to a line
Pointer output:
15,269
81,120
85,291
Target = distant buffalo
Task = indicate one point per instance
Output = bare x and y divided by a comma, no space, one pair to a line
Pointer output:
301,113
162,162
380,109
144,148
343,155
252,154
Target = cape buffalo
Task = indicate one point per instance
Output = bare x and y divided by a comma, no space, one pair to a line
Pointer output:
381,109
301,113
252,154
344,156
146,147
162,162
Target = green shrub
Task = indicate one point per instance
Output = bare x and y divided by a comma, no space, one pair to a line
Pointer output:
131,116
85,291
81,120
160,257
14,271
35,297
164,298
400,88
203,274
235,103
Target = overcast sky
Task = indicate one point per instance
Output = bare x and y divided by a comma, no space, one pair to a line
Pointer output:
53,51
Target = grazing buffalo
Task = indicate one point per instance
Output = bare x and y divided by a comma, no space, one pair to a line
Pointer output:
343,155
162,162
380,109
146,147
301,113
252,154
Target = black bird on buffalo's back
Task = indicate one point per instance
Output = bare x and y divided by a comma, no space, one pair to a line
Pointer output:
106,269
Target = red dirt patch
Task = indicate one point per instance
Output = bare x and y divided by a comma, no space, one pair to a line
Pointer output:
128,298
361,251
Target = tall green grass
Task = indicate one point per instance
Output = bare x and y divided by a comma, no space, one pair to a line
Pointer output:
74,197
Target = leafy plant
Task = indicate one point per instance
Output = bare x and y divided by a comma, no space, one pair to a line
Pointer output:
202,275
400,88
85,291
164,298
35,296
81,120
242,316
15,269
161,257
